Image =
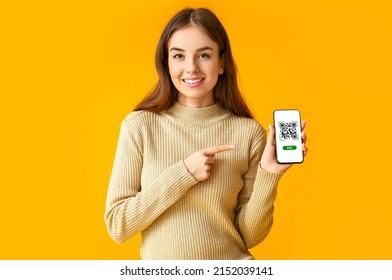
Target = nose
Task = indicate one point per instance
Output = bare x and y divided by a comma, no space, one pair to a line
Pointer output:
192,66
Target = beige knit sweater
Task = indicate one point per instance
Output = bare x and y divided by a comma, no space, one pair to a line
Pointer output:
151,191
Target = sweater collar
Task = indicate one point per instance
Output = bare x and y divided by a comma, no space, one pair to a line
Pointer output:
198,116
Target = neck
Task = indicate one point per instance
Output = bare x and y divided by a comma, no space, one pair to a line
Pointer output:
196,102
194,116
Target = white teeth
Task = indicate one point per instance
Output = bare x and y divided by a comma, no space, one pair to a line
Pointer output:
192,81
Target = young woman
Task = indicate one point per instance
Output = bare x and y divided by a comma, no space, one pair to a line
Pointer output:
193,171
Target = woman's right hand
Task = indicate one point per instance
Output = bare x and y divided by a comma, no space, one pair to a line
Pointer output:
199,164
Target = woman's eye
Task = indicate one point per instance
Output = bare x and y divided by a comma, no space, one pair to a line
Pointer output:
178,56
204,56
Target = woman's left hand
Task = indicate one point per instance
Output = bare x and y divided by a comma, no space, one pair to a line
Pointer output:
268,160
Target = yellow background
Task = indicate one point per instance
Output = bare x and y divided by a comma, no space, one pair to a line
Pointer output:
72,70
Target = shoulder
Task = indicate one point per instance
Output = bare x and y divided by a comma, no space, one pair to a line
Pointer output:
139,119
137,124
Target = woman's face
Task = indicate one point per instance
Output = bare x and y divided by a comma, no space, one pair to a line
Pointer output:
194,66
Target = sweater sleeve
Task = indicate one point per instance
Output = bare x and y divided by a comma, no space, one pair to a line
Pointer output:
256,200
131,208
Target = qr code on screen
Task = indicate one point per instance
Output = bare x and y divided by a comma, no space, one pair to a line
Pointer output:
288,130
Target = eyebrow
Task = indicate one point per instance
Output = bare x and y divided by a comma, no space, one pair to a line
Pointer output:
181,50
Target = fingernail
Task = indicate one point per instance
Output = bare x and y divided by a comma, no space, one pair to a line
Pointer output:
232,146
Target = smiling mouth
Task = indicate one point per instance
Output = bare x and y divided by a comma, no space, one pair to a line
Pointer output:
193,81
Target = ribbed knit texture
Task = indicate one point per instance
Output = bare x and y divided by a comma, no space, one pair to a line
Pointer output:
152,192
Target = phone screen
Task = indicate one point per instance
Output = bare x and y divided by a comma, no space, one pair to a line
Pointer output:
288,141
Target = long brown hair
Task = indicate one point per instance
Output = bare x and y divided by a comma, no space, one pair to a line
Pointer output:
226,91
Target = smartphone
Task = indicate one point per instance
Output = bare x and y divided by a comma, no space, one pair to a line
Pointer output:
288,140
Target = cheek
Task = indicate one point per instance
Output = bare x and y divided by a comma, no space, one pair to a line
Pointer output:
174,70
213,68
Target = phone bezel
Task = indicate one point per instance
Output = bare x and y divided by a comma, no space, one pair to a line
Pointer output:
276,137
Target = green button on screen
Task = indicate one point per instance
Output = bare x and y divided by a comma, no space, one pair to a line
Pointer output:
289,147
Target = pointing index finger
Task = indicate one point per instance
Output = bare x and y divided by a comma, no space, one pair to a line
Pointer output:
218,149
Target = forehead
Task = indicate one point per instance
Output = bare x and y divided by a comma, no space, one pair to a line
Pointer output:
191,37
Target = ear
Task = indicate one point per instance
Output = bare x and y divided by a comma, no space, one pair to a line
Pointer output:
221,66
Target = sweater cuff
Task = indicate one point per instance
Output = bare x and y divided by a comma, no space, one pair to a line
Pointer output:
185,173
268,179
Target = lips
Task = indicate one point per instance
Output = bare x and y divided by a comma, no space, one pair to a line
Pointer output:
192,82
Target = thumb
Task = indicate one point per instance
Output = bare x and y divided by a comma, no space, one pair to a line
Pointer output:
271,136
